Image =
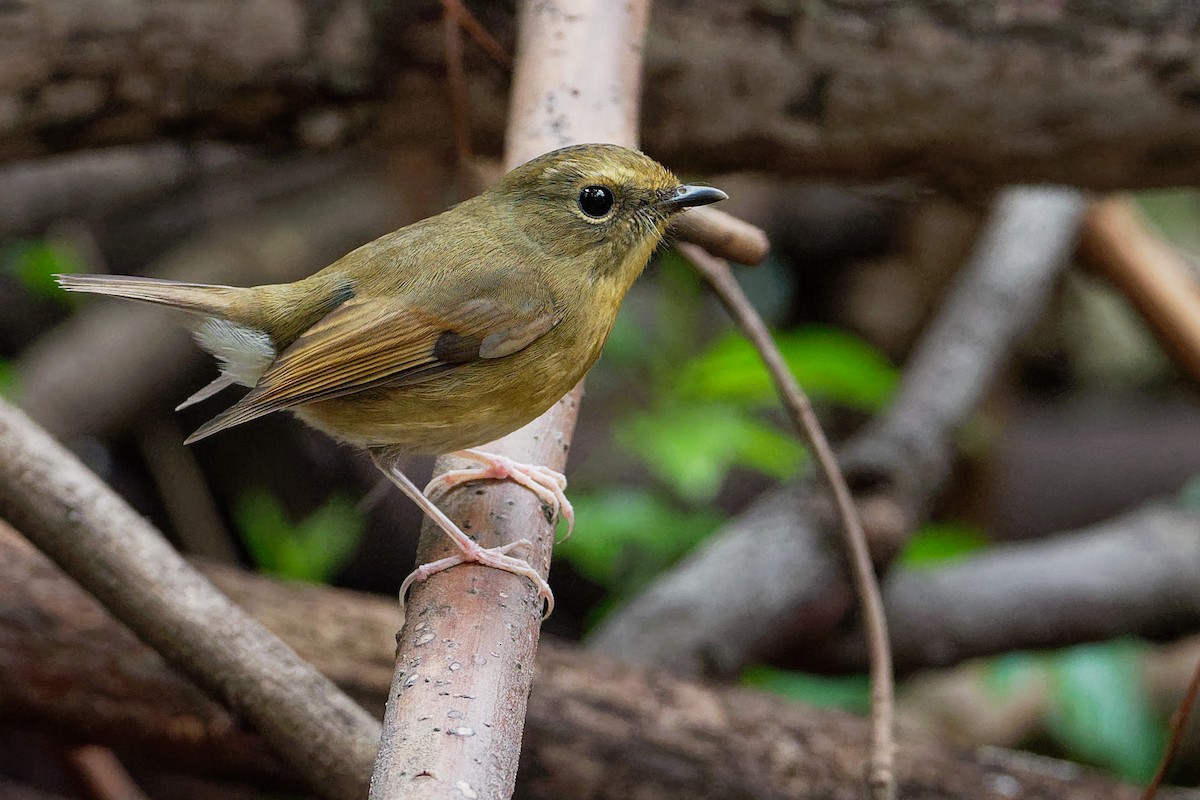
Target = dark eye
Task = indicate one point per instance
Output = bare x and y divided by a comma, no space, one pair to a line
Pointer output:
596,201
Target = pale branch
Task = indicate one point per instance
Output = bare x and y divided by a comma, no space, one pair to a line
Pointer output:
463,669
596,730
859,92
1150,272
125,563
1134,575
774,575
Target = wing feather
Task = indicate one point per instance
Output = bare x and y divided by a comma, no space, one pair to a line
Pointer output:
373,341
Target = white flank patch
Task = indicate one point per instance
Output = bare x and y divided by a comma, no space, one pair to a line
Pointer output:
243,353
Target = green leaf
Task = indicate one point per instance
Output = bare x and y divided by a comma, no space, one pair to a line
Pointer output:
623,537
692,447
1100,709
829,364
851,692
936,543
1175,212
312,550
1189,495
8,380
35,263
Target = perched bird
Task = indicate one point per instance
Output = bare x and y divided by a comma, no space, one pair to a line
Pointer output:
445,334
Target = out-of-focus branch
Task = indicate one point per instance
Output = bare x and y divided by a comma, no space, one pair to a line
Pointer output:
1150,272
774,575
126,564
1131,576
597,730
104,775
852,91
90,183
456,709
722,235
1179,722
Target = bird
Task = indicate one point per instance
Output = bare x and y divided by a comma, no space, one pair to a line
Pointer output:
447,333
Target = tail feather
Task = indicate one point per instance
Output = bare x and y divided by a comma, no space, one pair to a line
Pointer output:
196,297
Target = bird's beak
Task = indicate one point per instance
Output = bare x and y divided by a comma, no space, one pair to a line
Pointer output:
688,196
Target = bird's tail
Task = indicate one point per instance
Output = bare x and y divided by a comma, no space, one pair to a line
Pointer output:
199,298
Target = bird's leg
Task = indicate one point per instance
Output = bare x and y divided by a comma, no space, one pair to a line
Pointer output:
547,484
497,557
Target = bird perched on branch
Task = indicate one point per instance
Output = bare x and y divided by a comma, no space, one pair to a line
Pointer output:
445,334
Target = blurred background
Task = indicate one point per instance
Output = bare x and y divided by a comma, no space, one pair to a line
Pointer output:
1089,418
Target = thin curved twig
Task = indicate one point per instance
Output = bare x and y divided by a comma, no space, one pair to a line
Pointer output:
1178,726
882,773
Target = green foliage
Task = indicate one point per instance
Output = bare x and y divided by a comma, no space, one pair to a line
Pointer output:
1100,710
1175,212
850,692
631,536
8,380
936,543
691,447
35,263
1189,495
830,364
705,417
311,550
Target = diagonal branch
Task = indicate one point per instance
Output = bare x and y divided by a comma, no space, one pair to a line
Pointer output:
127,565
463,674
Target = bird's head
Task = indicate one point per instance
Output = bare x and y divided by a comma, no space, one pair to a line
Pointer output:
599,205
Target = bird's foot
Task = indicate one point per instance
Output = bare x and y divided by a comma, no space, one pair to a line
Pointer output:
470,550
544,482
496,557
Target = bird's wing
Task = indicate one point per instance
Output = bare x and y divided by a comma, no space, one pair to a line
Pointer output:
368,342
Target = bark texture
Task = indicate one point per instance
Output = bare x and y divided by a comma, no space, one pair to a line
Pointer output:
964,95
596,729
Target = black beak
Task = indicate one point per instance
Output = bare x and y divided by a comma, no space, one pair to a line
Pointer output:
688,196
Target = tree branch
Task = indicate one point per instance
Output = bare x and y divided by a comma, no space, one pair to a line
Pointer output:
1130,576
1149,271
33,193
77,520
463,666
597,730
849,91
774,575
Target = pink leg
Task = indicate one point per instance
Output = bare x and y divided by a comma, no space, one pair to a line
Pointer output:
471,551
547,484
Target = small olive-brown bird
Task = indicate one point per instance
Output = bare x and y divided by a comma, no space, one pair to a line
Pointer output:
448,333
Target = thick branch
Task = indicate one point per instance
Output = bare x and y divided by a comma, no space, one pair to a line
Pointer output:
597,730
78,521
1134,575
775,575
90,183
848,90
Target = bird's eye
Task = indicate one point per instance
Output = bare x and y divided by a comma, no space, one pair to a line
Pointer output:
596,201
